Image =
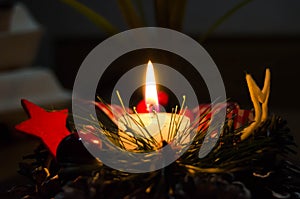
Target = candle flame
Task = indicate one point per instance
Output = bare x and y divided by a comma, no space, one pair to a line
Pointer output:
151,91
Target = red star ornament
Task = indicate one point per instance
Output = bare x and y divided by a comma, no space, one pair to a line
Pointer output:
50,127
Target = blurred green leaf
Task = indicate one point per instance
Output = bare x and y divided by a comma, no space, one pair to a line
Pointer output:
168,14
223,18
162,10
140,10
96,18
130,14
177,14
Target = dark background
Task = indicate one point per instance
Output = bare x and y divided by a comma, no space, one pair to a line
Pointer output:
261,34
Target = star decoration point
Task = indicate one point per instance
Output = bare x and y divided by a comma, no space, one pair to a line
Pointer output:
49,126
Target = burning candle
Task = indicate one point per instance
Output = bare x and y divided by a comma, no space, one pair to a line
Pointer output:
155,125
151,91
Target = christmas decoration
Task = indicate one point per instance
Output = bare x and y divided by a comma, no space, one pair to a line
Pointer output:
49,126
248,160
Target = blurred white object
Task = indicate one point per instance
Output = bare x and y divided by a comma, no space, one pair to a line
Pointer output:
19,44
38,85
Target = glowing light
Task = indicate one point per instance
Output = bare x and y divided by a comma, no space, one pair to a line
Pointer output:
151,91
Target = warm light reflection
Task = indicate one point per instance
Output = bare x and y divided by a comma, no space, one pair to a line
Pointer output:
150,91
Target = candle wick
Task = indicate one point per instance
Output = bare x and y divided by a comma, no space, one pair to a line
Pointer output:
152,107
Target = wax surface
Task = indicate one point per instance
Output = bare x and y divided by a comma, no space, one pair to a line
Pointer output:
164,122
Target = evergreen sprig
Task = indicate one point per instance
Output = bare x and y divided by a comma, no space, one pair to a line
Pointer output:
234,168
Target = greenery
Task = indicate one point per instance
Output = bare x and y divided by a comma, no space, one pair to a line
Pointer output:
168,14
252,168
